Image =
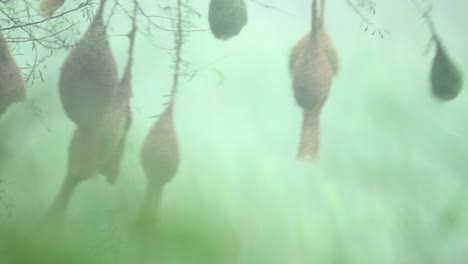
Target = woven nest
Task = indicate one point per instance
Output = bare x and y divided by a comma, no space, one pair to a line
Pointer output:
99,151
113,131
160,153
446,79
312,73
12,85
88,77
105,139
227,18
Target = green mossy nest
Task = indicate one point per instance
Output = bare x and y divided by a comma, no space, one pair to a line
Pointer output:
446,79
227,18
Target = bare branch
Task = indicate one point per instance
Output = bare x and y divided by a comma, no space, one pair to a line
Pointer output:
271,7
178,42
82,5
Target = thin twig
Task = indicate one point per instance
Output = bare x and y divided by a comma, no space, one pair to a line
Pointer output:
82,5
425,16
356,10
271,7
381,31
178,42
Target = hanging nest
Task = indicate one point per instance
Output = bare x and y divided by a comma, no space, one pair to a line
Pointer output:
99,151
227,18
160,153
99,104
313,63
446,79
113,136
160,160
114,128
47,8
312,72
104,127
117,118
89,76
12,85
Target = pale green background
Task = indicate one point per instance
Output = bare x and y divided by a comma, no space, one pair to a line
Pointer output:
390,185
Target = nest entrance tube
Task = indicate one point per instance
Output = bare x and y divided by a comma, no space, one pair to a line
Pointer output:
310,134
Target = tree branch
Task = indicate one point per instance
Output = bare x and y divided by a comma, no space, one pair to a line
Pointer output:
178,42
270,7
82,5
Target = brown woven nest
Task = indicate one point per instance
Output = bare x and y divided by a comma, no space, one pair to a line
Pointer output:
313,63
312,72
114,128
89,76
12,85
160,153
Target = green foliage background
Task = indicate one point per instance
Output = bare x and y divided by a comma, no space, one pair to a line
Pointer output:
390,186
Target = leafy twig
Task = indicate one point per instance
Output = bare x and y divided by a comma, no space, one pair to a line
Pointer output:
271,7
